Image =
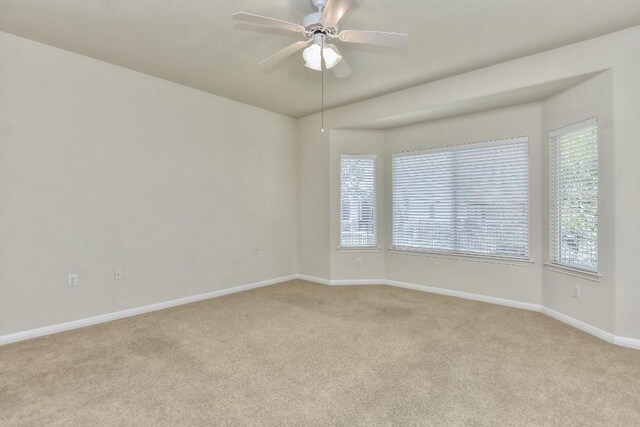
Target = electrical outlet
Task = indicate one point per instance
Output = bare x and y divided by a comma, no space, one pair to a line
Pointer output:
260,254
72,280
358,262
576,291
117,274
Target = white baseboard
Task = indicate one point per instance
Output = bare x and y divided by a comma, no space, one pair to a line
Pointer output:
61,327
585,327
81,323
590,329
627,342
346,282
356,282
313,279
465,295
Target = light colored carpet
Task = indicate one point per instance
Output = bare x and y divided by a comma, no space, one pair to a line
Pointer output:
306,354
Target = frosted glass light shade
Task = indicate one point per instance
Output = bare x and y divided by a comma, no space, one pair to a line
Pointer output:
312,57
331,57
313,66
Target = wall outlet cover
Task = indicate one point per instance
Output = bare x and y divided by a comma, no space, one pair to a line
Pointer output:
576,291
72,280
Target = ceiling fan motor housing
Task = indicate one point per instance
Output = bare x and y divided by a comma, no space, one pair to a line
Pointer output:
312,25
313,18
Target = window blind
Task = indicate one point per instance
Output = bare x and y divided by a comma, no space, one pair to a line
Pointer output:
573,192
358,201
471,199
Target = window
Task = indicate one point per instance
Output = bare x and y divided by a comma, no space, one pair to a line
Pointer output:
573,216
470,200
358,201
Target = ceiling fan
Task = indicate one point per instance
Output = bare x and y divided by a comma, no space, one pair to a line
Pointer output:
319,28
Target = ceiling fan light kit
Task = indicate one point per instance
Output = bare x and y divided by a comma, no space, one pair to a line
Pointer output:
319,51
319,28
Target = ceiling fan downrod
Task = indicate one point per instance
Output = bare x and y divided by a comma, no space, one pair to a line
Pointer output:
319,4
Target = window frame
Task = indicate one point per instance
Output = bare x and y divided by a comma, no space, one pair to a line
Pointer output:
361,248
553,264
467,256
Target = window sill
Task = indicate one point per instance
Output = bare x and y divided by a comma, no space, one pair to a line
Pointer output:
352,250
477,258
575,272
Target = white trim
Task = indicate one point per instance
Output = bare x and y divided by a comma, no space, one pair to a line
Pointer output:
355,249
61,327
81,323
465,295
570,271
579,324
627,342
523,262
633,343
470,145
360,156
593,121
313,279
344,282
357,282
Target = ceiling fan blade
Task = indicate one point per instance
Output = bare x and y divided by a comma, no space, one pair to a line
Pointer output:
334,11
265,21
341,69
284,53
377,38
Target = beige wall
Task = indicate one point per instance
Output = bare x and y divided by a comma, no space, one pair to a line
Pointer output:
596,305
613,305
626,112
313,199
102,167
502,280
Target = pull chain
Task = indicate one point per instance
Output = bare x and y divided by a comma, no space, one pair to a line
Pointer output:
322,130
322,76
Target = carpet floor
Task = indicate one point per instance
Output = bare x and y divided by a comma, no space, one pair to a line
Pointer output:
304,354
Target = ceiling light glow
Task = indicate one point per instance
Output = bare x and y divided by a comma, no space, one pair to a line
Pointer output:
313,59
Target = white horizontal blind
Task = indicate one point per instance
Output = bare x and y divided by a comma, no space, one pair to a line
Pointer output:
471,199
574,196
358,201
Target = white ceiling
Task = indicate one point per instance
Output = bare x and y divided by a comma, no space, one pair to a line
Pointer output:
196,43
